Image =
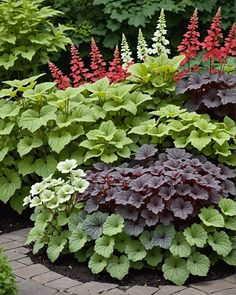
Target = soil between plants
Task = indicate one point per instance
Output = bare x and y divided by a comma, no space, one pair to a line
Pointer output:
69,267
10,220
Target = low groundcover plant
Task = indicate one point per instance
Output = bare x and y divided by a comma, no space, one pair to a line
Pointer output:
166,211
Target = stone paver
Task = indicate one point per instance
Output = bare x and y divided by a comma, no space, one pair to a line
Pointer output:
231,279
190,291
47,277
16,265
12,245
36,279
63,283
169,289
29,287
91,288
226,292
30,271
213,286
140,290
26,261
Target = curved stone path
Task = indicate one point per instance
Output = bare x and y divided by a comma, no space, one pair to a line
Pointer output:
36,279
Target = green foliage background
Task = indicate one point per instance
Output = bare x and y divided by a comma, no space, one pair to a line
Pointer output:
107,19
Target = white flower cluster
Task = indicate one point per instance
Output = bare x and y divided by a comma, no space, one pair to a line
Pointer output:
159,39
54,193
142,48
126,54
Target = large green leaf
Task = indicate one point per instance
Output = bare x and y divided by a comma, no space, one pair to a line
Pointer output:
8,109
33,120
154,256
104,246
199,139
135,251
9,184
59,139
55,247
179,246
77,240
196,235
230,259
198,264
97,263
228,207
118,267
45,166
26,165
211,217
113,225
220,243
26,144
6,127
175,270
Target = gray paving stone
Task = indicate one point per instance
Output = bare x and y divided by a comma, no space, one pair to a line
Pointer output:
18,279
16,265
22,232
226,292
22,250
169,289
13,255
231,279
4,240
140,290
29,287
14,237
91,288
30,271
47,277
26,261
114,292
63,283
12,245
213,286
190,291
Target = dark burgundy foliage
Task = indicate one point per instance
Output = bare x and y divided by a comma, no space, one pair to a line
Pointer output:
172,186
214,94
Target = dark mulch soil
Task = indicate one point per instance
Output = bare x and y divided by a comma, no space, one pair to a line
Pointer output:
10,220
68,266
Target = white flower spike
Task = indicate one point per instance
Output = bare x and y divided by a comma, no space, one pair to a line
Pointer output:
142,47
126,54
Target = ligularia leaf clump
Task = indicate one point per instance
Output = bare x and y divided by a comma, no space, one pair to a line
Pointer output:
159,38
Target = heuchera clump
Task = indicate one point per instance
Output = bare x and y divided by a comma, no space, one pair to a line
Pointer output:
169,188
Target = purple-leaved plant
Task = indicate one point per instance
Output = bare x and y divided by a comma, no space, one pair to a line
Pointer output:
169,187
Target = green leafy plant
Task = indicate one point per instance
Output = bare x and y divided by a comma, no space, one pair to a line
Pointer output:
191,131
28,37
102,240
7,278
55,203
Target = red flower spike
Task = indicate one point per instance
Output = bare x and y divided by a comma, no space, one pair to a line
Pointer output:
116,73
190,44
229,47
60,79
211,42
78,70
97,63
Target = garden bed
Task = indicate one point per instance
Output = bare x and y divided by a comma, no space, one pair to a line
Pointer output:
67,266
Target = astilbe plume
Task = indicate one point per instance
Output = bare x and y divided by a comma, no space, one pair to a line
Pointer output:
78,70
159,39
116,72
98,65
126,54
229,47
60,79
211,42
190,44
142,48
